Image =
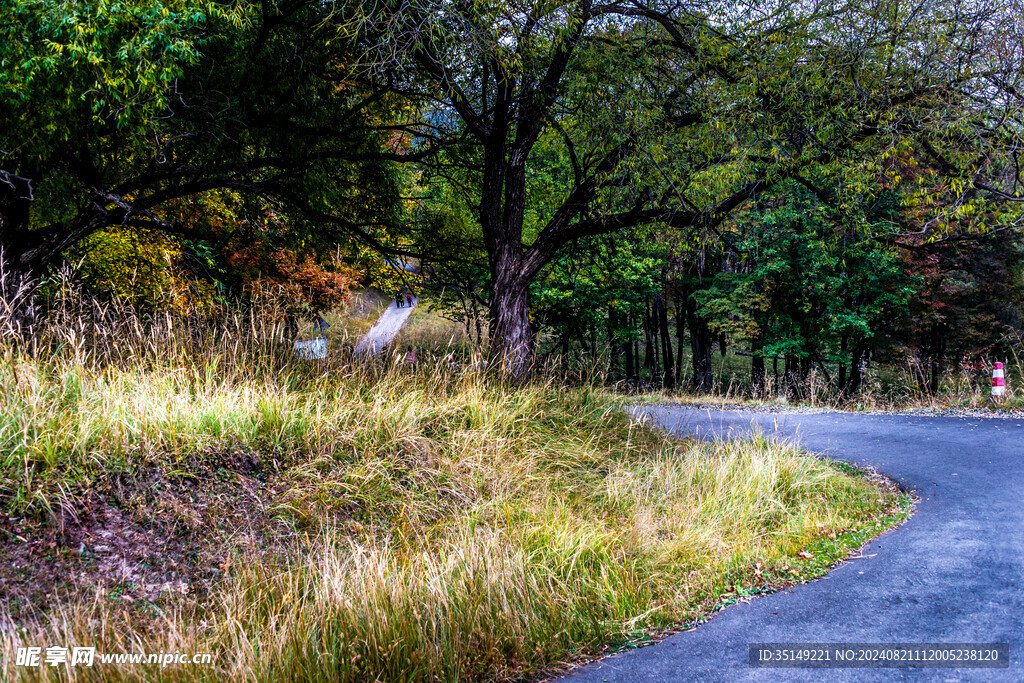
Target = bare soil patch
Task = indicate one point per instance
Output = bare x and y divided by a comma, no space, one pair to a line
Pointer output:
145,537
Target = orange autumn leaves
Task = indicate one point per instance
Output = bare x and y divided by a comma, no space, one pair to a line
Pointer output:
293,283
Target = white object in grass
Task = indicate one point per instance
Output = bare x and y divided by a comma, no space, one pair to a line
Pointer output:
314,349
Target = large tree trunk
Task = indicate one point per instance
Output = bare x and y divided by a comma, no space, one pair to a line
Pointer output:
502,203
511,332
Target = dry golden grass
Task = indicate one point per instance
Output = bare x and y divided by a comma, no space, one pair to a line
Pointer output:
443,527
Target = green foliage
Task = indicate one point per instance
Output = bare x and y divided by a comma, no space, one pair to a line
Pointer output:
599,288
330,129
113,60
116,111
81,80
806,285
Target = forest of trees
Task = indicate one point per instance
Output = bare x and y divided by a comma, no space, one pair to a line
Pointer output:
634,184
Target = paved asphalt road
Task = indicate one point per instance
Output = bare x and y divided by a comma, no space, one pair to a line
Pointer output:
953,573
384,330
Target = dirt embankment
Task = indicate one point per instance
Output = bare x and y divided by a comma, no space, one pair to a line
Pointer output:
144,537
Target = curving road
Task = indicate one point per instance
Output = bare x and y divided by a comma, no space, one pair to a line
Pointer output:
384,330
954,573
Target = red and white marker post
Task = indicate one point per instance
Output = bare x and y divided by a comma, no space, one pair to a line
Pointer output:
998,382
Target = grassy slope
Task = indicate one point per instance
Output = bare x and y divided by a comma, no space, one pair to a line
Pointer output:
408,527
169,488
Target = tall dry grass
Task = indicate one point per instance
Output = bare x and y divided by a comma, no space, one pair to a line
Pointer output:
446,527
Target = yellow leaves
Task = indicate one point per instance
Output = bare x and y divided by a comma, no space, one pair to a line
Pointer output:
142,266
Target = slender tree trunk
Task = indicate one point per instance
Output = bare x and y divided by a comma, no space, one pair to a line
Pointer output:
614,347
669,375
791,377
680,332
938,348
625,355
629,349
652,325
700,345
856,377
595,352
635,356
630,361
583,343
936,376
844,340
757,373
648,345
652,344
922,367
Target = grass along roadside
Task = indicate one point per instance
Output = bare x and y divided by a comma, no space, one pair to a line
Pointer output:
886,387
890,387
324,522
941,406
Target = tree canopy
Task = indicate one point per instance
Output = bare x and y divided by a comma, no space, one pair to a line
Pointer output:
501,142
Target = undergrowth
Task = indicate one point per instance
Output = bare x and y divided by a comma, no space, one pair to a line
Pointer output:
393,523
